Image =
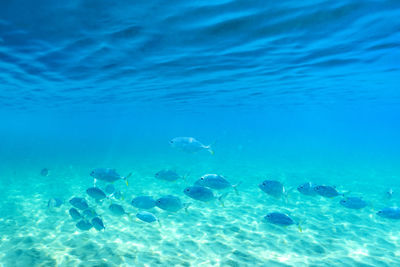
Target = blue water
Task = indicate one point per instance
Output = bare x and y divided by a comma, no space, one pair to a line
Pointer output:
281,90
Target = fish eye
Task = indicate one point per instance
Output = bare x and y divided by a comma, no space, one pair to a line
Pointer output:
171,141
187,189
201,178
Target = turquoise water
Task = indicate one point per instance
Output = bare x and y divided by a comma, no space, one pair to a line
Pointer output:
289,91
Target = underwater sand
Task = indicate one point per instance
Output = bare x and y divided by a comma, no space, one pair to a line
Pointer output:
207,235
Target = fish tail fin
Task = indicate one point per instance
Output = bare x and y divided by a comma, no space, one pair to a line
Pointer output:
186,206
221,199
235,187
299,226
126,179
210,149
159,223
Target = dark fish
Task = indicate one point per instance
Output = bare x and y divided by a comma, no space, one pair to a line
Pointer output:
169,203
96,193
98,224
75,214
108,175
117,209
143,202
327,191
390,213
199,193
79,203
272,188
146,216
54,203
84,225
307,189
44,172
167,175
353,203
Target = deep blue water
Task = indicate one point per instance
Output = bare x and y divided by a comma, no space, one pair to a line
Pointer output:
294,91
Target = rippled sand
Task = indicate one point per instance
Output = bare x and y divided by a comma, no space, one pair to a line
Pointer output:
207,235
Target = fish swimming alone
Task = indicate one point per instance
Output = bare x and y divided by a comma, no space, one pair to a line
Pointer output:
143,202
273,188
170,203
167,175
281,219
96,193
307,189
98,224
108,175
215,181
353,203
189,145
390,213
79,203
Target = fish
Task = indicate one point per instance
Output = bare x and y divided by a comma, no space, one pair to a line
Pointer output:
44,172
74,213
89,213
109,189
79,203
98,224
389,193
215,181
281,219
167,175
54,203
170,203
146,216
307,189
390,213
143,202
327,191
353,203
202,193
273,188
117,210
189,145
96,193
84,225
108,175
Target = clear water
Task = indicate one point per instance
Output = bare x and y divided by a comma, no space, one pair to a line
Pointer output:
293,91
